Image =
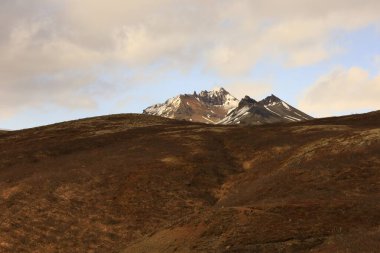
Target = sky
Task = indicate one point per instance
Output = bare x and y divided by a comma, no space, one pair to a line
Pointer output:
69,59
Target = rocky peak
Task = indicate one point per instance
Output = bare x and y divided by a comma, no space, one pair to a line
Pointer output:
247,101
270,100
218,96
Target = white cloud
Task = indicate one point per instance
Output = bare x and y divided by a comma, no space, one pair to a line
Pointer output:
342,91
54,51
307,56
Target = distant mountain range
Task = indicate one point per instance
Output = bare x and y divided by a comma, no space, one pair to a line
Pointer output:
218,106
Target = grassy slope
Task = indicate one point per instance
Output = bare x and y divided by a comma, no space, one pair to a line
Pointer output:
136,183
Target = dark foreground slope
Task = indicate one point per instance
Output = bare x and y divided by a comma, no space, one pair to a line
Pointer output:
138,183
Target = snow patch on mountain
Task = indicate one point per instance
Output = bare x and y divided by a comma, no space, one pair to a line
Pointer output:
285,105
266,107
165,109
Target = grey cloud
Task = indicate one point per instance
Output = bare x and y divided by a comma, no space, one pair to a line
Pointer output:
43,42
342,90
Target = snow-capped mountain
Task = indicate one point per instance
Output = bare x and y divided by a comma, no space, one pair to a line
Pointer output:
269,110
207,106
220,107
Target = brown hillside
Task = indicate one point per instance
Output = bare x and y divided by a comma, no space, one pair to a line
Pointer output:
139,183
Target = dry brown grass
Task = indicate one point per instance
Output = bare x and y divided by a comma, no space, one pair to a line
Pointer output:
137,183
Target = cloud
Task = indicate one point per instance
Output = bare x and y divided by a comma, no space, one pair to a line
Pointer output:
68,90
307,56
56,51
342,90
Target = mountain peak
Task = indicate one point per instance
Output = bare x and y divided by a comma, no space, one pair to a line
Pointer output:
218,89
271,99
247,100
219,97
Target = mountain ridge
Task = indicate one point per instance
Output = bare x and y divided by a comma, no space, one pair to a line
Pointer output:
271,109
218,106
